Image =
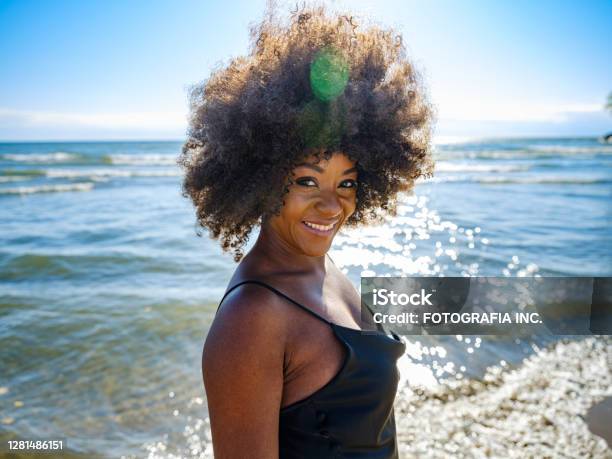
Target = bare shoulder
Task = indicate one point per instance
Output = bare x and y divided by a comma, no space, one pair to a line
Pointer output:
250,315
251,320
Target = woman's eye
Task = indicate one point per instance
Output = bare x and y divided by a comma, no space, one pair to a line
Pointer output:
306,182
349,184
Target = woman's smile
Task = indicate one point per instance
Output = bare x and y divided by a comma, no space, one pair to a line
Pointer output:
320,229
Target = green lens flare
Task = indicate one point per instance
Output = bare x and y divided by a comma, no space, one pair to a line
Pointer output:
329,74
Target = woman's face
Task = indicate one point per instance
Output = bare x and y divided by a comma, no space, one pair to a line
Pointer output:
321,198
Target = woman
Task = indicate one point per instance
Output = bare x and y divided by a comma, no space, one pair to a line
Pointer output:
320,126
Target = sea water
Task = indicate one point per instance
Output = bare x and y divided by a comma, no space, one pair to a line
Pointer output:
106,292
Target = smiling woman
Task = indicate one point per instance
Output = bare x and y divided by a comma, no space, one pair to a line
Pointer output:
320,126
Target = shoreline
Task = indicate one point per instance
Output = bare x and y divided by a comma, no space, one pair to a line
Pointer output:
537,409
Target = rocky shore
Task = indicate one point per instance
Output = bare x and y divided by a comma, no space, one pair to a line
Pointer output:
535,410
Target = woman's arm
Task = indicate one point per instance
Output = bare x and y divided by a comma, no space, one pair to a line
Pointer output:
242,366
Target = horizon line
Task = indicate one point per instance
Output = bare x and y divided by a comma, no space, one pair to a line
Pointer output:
442,139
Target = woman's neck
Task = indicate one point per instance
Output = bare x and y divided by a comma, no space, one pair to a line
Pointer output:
273,253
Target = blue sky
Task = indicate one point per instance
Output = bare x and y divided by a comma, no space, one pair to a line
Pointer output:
121,69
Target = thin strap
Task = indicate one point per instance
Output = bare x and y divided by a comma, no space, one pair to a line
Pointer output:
330,259
278,292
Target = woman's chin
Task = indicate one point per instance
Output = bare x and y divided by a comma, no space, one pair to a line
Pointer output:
314,245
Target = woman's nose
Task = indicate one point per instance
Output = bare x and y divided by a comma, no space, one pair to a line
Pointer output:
329,205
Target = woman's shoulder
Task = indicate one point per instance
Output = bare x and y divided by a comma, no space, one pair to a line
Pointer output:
249,329
251,299
251,286
251,308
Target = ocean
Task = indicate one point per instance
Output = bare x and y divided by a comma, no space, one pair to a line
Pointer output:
106,292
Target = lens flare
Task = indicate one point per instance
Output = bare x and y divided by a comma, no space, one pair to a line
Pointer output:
329,74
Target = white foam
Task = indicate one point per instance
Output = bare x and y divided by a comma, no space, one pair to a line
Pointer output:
528,152
86,186
13,178
540,181
96,174
570,150
506,180
444,166
144,160
57,157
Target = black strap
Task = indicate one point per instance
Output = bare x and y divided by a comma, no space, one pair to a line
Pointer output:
379,326
278,292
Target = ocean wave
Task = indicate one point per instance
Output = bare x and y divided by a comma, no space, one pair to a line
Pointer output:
92,174
57,157
566,149
542,181
454,167
109,173
526,153
86,186
61,157
517,180
142,160
13,178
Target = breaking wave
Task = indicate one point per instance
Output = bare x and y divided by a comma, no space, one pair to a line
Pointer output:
86,186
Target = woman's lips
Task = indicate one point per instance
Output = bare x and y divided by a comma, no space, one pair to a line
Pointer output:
319,230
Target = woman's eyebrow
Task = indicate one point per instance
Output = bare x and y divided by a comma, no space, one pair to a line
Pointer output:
311,166
320,171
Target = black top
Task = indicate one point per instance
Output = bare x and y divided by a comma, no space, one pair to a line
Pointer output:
352,415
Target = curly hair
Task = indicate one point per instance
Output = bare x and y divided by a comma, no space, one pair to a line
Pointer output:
314,83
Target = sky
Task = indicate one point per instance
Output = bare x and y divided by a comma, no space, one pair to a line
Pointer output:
119,70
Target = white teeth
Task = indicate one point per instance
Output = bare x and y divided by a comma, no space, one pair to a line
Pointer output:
319,227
